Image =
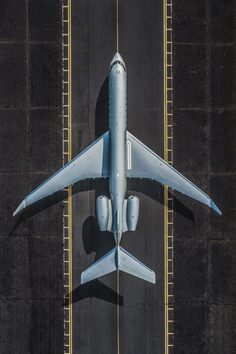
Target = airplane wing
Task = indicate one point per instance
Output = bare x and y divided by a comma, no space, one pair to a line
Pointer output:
142,162
93,162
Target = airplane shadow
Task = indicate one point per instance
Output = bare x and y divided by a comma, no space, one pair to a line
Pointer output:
94,289
93,239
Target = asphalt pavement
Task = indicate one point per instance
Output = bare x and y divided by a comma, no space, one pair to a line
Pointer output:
95,305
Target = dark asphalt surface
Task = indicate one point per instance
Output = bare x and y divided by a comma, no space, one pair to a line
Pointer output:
31,248
204,149
141,304
31,268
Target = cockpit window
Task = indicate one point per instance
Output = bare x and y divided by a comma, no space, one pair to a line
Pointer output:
118,62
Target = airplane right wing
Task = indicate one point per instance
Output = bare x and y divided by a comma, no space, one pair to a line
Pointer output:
93,162
142,162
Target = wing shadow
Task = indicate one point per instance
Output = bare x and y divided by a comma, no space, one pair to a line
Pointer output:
155,191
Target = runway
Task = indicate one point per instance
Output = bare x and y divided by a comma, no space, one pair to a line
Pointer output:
121,315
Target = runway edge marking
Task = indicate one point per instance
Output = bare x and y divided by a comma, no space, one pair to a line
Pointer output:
67,156
168,198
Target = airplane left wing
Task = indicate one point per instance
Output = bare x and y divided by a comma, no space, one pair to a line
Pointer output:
142,162
90,163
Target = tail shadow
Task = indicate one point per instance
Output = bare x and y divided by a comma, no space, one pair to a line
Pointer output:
99,242
94,289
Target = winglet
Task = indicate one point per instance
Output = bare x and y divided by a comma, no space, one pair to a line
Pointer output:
20,207
214,207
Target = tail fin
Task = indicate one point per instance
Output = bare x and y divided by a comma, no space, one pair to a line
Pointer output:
118,259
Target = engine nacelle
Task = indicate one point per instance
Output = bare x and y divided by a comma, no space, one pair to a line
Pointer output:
104,213
132,213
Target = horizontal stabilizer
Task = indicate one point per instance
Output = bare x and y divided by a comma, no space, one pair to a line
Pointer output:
118,259
133,266
105,265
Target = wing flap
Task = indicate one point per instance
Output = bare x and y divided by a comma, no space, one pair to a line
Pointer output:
146,164
91,163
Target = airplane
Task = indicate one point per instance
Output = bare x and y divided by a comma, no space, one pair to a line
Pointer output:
117,155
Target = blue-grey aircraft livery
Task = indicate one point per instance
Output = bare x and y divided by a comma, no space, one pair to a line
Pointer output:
117,155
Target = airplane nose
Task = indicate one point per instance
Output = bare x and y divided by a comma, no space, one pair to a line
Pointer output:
117,57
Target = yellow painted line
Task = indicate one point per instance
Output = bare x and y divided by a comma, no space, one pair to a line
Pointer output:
70,188
168,156
165,188
118,273
118,313
67,156
117,25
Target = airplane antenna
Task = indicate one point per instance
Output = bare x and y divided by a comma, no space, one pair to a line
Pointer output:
117,25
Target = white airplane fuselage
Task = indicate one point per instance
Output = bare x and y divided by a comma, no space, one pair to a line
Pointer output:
117,126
